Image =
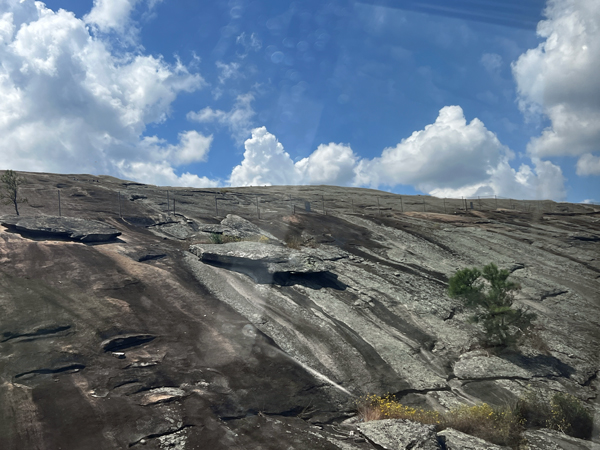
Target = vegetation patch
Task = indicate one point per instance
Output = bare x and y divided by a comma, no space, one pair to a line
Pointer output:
500,426
490,295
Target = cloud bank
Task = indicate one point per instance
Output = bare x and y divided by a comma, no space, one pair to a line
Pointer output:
450,158
68,104
560,79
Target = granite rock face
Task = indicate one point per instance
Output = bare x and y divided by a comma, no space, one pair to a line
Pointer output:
455,440
61,227
394,434
545,439
142,342
272,258
237,227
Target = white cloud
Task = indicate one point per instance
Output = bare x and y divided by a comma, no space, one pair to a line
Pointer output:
162,174
67,104
265,163
448,158
231,70
193,147
588,164
329,164
446,154
111,15
238,119
560,79
451,158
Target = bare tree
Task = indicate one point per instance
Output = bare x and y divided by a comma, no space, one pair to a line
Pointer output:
9,191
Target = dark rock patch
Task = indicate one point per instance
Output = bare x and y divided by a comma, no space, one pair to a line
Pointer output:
36,333
53,227
123,342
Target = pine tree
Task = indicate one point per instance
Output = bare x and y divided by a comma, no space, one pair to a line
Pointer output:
490,294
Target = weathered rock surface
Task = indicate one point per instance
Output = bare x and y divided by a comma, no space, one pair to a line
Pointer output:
455,440
61,227
278,363
392,434
264,261
545,439
237,227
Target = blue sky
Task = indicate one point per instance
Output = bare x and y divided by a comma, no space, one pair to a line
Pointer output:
486,98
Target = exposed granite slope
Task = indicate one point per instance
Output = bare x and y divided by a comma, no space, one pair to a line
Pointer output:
138,341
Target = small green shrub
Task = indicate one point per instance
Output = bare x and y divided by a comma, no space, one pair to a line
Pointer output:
491,303
216,238
564,413
500,426
570,416
293,241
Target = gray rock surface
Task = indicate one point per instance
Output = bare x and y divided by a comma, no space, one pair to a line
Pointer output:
397,434
275,364
83,230
272,258
545,439
237,227
456,440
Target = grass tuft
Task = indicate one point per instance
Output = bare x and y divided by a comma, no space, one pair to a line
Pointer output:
500,426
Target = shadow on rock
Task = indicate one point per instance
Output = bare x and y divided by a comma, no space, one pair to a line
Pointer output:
260,274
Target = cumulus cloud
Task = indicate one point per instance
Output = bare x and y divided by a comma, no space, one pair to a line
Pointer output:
560,79
67,104
329,164
111,15
265,162
453,158
449,158
588,164
446,154
239,119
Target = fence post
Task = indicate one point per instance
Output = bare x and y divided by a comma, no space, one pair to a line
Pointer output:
496,198
444,205
401,205
352,201
378,207
423,204
323,198
257,210
291,206
59,212
173,204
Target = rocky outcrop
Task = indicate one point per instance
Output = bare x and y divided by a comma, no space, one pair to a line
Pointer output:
455,440
237,227
267,263
545,439
256,345
53,227
394,434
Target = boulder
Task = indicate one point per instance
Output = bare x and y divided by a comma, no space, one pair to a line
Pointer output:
83,230
456,440
398,434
